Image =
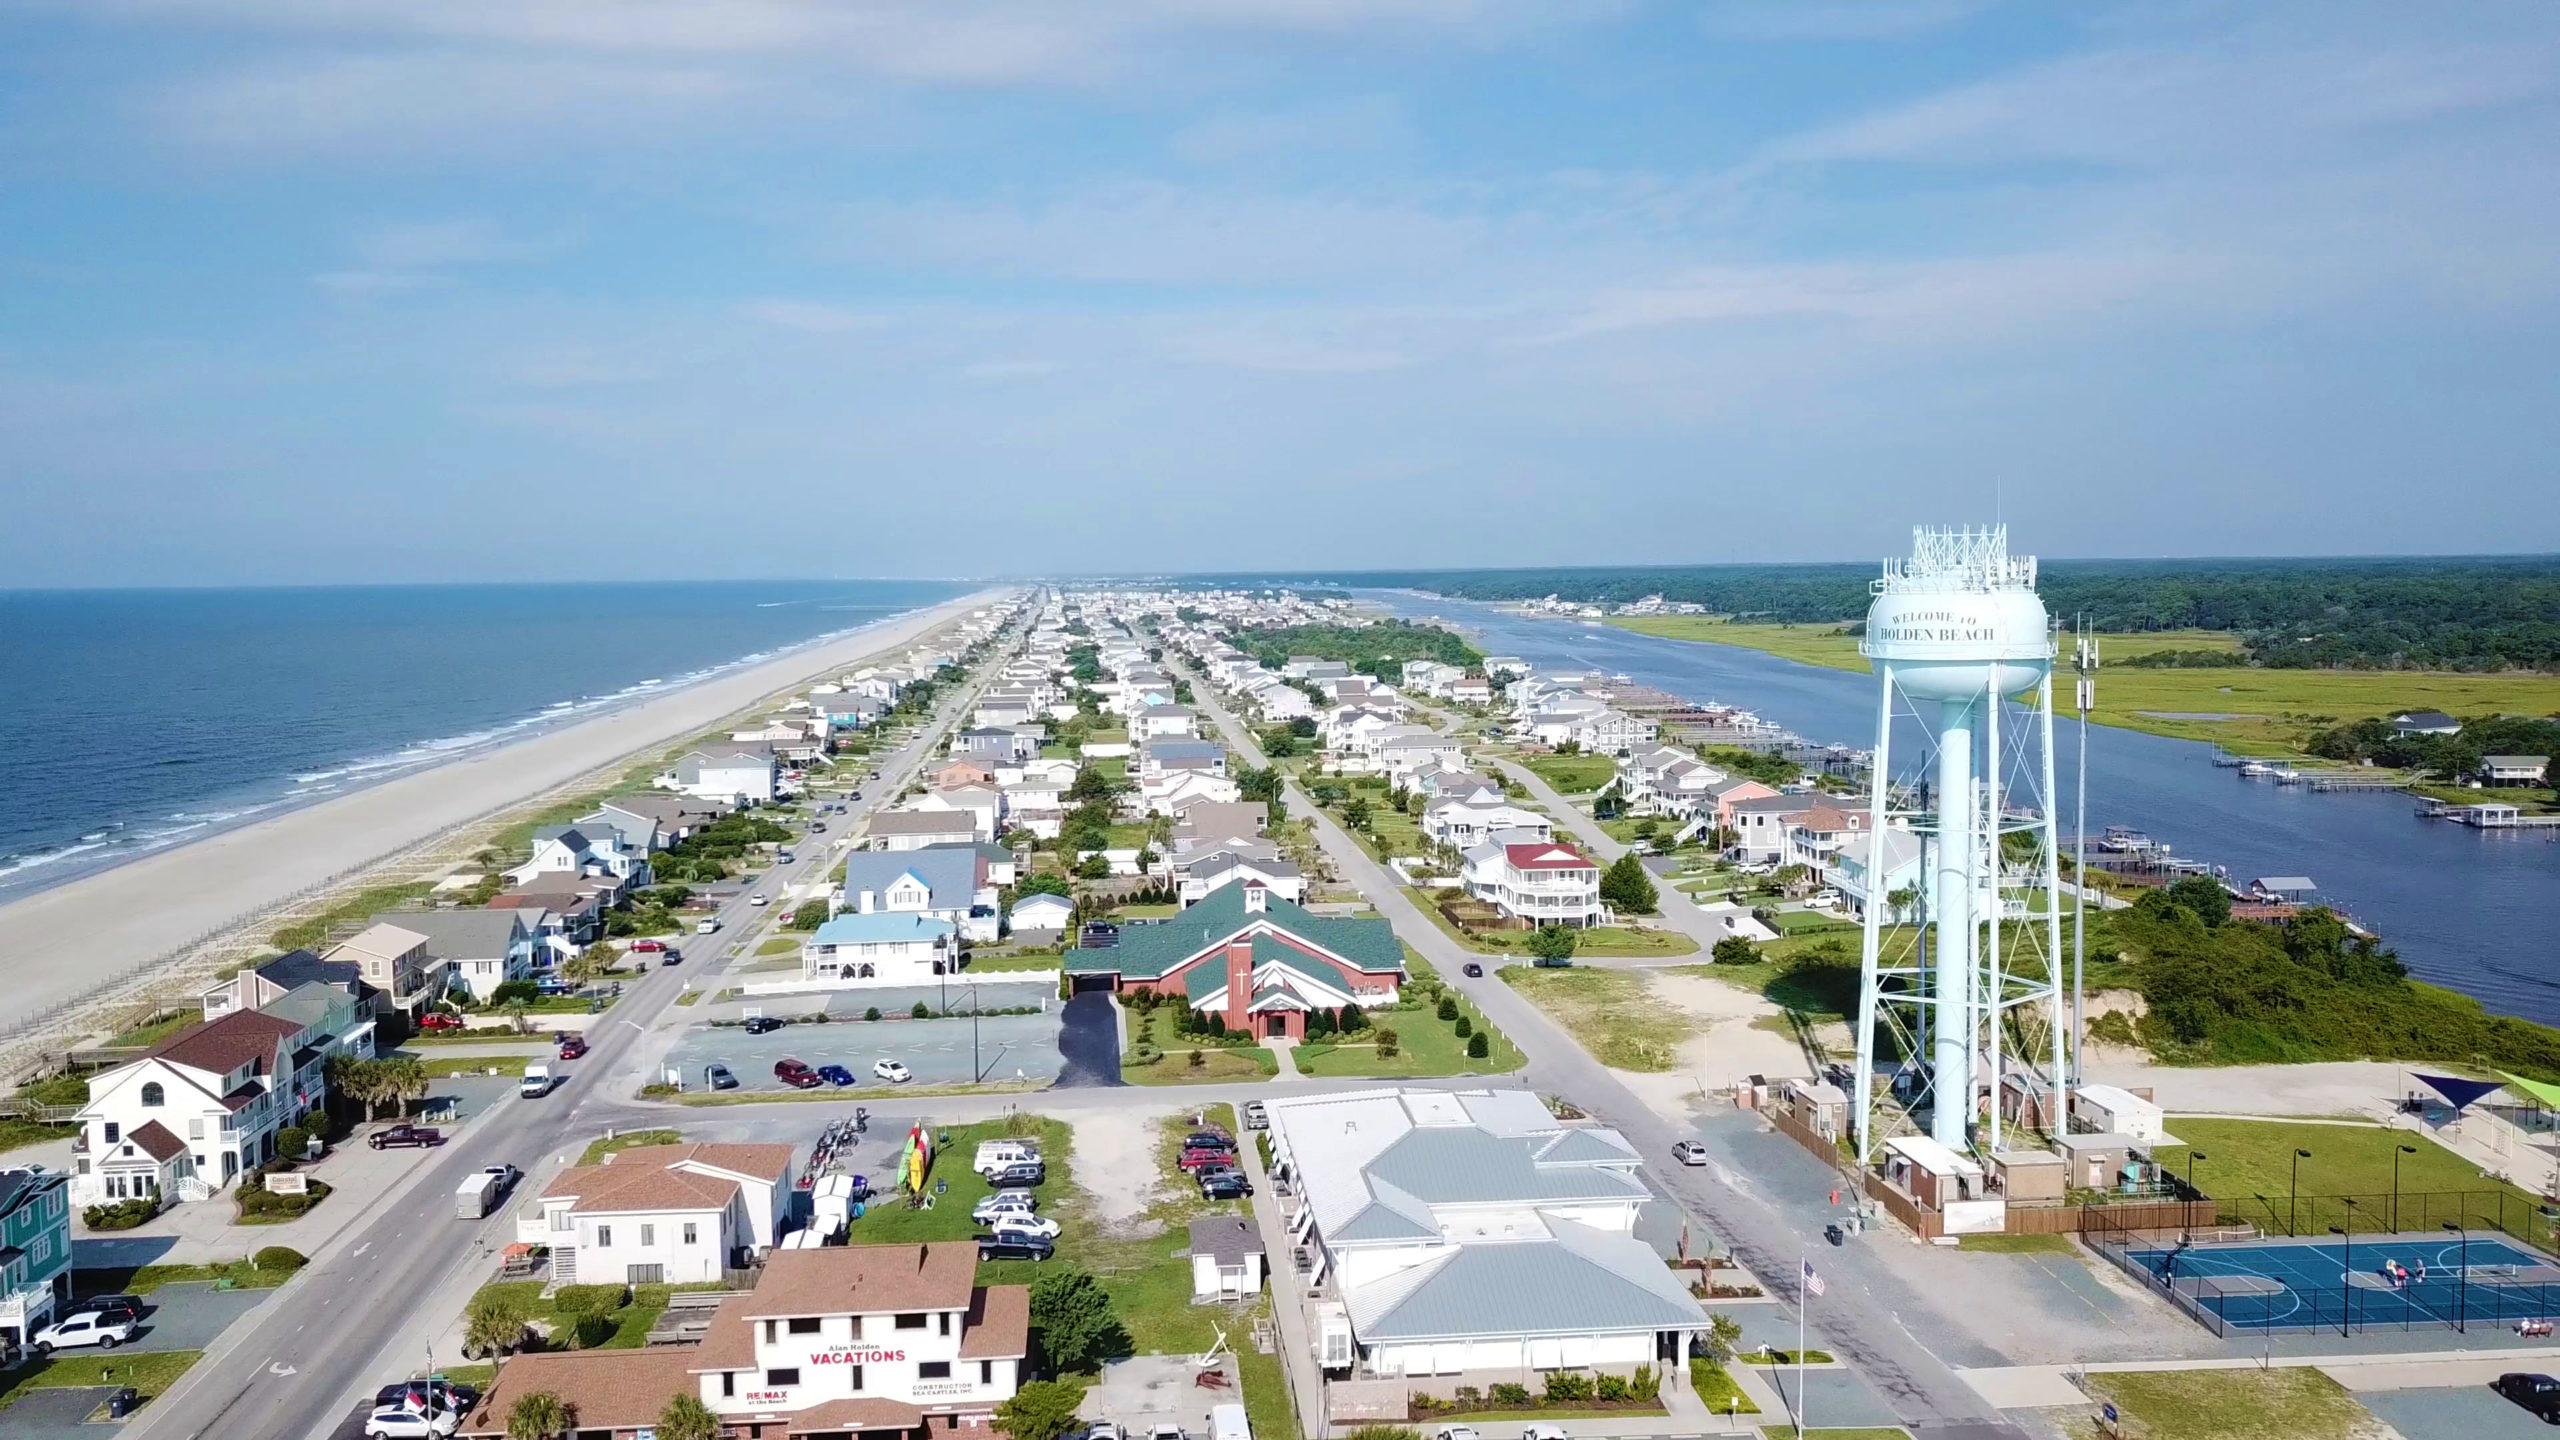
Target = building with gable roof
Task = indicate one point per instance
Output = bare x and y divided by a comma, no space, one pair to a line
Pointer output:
673,1214
35,1250
205,1104
1259,962
1541,882
947,883
1471,1233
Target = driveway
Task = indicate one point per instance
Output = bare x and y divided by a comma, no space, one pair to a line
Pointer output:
192,1316
1089,1042
57,1415
939,1051
2473,1412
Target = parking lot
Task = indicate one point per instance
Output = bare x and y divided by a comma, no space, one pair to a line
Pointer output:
939,1051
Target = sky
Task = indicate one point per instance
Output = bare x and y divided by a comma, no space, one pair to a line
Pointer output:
302,291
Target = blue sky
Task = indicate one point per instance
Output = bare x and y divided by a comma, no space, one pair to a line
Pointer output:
319,290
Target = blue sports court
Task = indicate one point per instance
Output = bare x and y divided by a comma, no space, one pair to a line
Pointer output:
2378,1283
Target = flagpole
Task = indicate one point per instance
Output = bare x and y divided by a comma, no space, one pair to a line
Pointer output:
1804,1303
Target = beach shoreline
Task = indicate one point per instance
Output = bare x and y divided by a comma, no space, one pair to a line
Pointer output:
113,926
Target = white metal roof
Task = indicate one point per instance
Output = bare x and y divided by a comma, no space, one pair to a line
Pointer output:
1931,1156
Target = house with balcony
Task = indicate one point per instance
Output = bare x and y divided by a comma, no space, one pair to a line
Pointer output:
35,1250
946,883
1873,867
1470,1237
652,1214
478,950
393,960
880,1342
1199,873
895,947
1471,819
737,775
573,852
205,1104
1540,882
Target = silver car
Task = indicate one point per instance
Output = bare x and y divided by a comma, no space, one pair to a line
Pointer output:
1690,1152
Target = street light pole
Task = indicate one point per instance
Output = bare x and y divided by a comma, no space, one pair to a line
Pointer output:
2395,1183
2462,1279
2192,1157
2346,1277
2293,1195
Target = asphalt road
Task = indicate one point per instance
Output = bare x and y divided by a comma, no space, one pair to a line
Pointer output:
1855,1320
318,1349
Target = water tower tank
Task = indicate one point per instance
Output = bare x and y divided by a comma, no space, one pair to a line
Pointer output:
1959,618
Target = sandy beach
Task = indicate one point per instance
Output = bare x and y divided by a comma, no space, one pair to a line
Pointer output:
63,942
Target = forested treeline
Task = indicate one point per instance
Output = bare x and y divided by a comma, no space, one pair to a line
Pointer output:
1379,649
2435,614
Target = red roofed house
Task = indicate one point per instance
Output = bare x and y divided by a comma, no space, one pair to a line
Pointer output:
661,1214
862,1342
199,1107
1544,883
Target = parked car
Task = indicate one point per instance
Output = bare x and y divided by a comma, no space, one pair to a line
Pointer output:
796,1074
105,1329
1690,1152
1472,970
1544,1432
717,1076
1195,1157
1456,1432
397,1423
439,1020
1224,1183
1167,1432
759,1024
1014,1247
893,1071
1019,1177
1105,1430
835,1074
1210,1136
405,1136
106,1304
1004,1202
647,946
1255,1117
2532,1390
1023,1222
573,1048
446,1394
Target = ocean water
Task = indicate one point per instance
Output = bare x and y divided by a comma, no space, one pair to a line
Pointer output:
2466,909
131,720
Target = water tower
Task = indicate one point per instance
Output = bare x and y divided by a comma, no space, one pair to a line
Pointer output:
1959,985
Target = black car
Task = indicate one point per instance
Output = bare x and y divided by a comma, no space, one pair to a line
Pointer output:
1472,970
129,1306
2534,1391
1020,1175
1016,1246
447,1395
1101,935
1223,1183
759,1024
1208,1140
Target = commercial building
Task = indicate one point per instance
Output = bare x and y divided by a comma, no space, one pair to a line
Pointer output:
661,1214
1474,1236
1260,963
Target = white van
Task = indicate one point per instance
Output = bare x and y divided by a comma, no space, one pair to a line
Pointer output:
994,1155
1227,1422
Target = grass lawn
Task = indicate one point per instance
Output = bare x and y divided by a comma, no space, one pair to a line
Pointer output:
1268,1406
443,1067
348,915
1783,1357
1426,1045
1572,774
2242,1159
1717,1390
1853,1432
1148,1279
627,1140
2017,1244
153,1031
1217,1063
1146,912
779,945
143,1279
1611,1013
15,1133
641,1307
1034,960
1620,940
2295,1402
150,1372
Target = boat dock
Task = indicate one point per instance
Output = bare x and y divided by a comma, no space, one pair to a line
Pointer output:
2488,815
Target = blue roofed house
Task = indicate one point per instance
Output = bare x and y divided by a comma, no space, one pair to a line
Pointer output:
1259,962
944,883
888,947
35,1250
1471,1237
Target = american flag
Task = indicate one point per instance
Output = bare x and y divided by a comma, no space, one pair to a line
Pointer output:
1812,1283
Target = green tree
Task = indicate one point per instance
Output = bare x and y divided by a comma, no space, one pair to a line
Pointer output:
1723,1334
493,1326
1387,1041
2205,896
1553,942
1627,887
1093,867
1734,950
1448,1008
539,1415
1071,1314
687,1418
1044,883
807,917
1356,814
1039,1410
1090,784
1478,1047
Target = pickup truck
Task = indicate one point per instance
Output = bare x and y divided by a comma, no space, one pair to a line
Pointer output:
405,1136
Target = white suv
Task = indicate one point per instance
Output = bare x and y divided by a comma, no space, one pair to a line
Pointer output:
1022,1222
395,1423
106,1330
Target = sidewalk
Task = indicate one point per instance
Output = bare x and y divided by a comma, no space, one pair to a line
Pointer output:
2047,1386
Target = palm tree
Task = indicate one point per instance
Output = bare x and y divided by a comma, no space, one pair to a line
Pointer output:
687,1418
539,1415
496,1326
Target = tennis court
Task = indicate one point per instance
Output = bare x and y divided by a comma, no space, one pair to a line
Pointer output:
2360,1284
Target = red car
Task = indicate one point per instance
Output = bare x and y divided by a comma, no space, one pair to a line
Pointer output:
1195,1157
796,1074
438,1020
648,947
572,1048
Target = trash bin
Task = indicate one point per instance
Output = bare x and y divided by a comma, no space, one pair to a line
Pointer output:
122,1403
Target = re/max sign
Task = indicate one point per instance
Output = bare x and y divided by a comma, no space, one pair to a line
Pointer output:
857,1357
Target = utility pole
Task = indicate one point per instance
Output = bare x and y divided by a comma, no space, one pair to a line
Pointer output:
2084,665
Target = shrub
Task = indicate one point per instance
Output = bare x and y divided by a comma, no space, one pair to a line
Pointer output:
1610,1387
809,916
1644,1384
120,1214
921,1012
292,1141
1734,950
1463,1027
656,1089
1196,1061
590,1299
1449,1008
1478,1047
871,1012
514,990
1387,1042
1351,1019
1567,1388
587,1332
279,1258
1509,1394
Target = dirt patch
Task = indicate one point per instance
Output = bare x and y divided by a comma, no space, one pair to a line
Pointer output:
1115,1163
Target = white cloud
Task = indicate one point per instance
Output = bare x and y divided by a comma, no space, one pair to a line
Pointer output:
1371,124
810,317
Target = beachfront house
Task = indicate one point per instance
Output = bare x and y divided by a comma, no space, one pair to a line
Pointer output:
897,830
393,960
183,1121
738,776
571,851
479,950
35,1250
